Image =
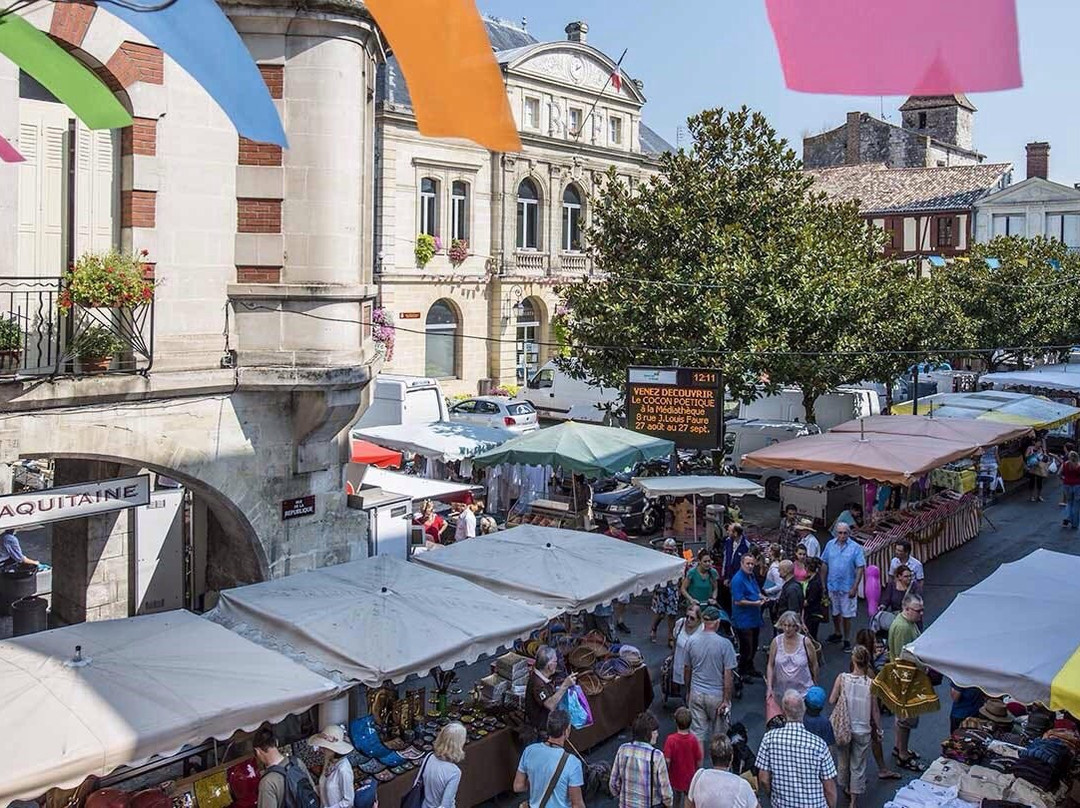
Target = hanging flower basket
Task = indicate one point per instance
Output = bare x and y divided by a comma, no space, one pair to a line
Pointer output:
107,280
426,247
459,251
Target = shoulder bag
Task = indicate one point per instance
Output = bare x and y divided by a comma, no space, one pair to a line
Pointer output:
550,790
840,720
414,797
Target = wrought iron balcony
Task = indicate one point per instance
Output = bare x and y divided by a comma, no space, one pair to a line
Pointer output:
38,339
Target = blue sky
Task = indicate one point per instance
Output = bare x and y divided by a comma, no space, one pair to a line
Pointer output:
694,54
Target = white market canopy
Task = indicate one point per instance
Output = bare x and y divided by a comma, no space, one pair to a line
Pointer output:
418,488
376,619
558,570
444,441
1046,377
1013,633
688,485
150,686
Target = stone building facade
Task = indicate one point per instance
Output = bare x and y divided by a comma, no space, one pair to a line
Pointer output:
522,215
257,357
935,131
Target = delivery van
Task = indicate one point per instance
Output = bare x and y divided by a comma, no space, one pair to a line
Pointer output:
742,437
832,409
404,400
556,395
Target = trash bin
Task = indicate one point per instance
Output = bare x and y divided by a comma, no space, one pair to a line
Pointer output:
29,616
16,584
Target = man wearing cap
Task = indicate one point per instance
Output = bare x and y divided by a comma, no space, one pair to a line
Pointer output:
814,700
804,530
709,677
845,565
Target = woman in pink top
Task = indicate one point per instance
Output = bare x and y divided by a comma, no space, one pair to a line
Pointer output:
800,564
792,663
1070,483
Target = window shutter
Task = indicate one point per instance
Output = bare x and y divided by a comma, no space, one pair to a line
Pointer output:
933,232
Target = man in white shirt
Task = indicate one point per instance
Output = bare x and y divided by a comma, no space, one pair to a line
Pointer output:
804,530
466,524
717,787
902,555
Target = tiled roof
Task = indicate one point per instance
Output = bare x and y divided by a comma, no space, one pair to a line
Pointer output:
884,190
652,144
936,101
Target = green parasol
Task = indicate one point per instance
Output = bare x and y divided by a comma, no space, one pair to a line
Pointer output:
61,74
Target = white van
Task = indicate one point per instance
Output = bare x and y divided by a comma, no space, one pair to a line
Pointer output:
741,437
556,395
404,400
832,409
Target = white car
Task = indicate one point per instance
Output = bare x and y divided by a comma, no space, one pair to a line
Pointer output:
495,411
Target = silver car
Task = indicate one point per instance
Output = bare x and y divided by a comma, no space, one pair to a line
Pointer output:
495,411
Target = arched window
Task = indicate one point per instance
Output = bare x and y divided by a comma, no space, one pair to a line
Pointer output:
441,341
429,206
571,219
528,216
459,211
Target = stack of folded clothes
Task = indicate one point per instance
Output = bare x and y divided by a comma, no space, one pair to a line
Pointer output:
921,794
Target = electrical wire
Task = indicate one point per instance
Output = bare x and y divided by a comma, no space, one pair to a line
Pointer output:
677,351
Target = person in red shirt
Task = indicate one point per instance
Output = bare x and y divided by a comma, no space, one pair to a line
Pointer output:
682,751
434,525
1070,484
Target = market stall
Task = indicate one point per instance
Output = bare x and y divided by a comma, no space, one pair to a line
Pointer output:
557,570
934,525
586,449
978,433
694,486
136,688
376,620
441,442
1059,383
1014,633
998,406
362,451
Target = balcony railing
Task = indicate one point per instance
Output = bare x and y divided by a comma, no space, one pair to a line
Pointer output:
574,263
38,339
528,262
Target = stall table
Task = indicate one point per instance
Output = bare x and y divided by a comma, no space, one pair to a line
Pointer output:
490,763
948,523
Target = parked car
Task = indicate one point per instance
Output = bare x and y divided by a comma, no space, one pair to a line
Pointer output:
498,412
629,505
404,400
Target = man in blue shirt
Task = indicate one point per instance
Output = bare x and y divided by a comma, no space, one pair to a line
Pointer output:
746,603
11,554
540,762
845,565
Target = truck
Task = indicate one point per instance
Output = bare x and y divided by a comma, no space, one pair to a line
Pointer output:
557,395
404,400
831,409
744,436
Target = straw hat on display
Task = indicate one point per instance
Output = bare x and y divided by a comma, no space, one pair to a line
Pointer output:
331,737
995,710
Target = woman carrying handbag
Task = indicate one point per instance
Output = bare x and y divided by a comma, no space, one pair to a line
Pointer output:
437,782
854,719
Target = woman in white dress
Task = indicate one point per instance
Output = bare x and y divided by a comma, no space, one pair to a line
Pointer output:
336,789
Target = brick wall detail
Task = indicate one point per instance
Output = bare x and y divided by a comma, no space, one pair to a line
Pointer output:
71,20
258,215
138,208
258,274
274,76
140,138
258,154
133,62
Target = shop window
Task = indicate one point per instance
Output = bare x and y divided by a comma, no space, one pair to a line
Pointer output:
441,339
429,206
528,216
571,220
459,210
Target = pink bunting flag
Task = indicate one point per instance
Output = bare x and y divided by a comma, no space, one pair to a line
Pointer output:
8,153
897,47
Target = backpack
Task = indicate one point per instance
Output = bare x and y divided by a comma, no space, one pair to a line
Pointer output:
299,791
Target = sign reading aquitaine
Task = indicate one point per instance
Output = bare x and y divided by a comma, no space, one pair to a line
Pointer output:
73,501
683,405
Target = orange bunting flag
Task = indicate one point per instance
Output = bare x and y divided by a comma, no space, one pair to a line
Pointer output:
456,87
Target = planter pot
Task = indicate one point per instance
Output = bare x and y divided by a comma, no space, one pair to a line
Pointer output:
95,364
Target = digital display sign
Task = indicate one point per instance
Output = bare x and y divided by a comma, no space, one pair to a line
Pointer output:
684,405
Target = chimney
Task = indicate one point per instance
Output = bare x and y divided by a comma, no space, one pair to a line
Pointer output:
578,31
851,153
1038,160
